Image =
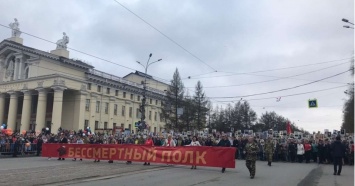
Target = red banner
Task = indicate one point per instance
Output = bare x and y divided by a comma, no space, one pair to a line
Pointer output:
199,156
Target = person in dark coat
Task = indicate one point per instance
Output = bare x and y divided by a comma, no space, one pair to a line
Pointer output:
292,150
321,152
39,145
224,143
338,152
16,147
235,144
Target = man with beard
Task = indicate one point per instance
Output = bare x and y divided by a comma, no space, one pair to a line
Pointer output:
251,151
224,142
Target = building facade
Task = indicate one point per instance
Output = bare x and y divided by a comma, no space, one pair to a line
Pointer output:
48,89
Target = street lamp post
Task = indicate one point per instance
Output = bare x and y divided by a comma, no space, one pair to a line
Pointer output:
142,107
347,21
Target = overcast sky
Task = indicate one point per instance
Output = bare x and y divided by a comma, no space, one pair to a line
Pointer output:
229,36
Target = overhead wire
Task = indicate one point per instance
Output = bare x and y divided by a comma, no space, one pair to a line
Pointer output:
285,68
284,89
280,78
166,36
289,95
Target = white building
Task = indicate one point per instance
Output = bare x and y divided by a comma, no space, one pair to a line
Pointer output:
40,89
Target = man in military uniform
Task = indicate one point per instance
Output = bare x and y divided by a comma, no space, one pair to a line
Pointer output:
269,150
251,150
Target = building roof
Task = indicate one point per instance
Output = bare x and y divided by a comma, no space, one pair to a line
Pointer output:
141,74
77,63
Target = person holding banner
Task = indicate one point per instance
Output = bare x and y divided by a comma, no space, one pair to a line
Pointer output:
194,142
224,142
169,142
149,142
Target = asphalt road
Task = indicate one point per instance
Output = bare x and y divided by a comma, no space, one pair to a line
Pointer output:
40,171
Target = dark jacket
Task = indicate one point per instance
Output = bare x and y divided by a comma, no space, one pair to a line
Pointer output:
63,140
338,149
224,143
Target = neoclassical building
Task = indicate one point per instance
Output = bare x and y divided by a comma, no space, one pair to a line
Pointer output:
48,89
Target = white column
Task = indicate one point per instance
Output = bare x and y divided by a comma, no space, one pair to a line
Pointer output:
2,108
79,117
41,108
11,119
93,100
57,108
26,110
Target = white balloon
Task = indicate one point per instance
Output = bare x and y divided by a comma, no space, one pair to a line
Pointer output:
2,127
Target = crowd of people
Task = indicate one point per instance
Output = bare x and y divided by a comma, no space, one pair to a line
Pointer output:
269,149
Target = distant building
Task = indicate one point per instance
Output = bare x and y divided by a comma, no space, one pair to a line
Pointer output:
41,89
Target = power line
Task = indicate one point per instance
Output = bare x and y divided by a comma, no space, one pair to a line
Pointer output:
279,78
284,89
252,73
166,36
289,95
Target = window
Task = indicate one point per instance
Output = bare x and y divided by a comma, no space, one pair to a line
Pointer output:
130,127
137,113
156,102
138,98
105,125
114,126
98,88
89,86
131,96
124,94
97,106
106,108
96,124
122,125
150,101
87,105
150,115
155,116
116,93
161,103
108,91
115,109
123,110
86,124
130,112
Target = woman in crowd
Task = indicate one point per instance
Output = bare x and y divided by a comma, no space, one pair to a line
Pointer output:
300,152
194,142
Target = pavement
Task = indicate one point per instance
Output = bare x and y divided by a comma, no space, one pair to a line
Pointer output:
41,171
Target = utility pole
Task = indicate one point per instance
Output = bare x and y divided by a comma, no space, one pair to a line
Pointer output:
142,107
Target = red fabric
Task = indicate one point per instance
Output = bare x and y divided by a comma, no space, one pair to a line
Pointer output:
307,147
352,148
149,142
288,128
193,155
169,140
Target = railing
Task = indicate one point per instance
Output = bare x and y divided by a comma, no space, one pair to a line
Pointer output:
8,149
124,81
